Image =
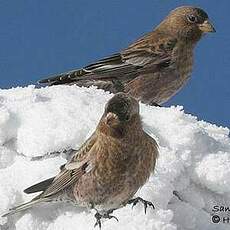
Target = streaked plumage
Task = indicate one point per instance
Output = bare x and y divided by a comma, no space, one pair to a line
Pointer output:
153,68
109,168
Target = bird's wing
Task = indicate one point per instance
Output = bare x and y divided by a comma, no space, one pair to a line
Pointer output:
102,69
79,164
149,50
41,186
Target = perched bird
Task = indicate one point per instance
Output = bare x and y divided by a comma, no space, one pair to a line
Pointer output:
153,68
108,169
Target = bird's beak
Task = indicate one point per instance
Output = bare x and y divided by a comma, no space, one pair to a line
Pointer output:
207,27
111,119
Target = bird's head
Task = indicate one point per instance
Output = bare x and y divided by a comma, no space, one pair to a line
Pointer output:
121,114
188,23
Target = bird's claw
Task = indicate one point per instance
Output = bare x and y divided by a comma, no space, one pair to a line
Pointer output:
98,217
144,202
110,217
148,204
106,215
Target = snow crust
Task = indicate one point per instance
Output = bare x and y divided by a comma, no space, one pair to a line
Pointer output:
194,161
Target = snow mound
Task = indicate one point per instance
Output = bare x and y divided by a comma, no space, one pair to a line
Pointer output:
191,179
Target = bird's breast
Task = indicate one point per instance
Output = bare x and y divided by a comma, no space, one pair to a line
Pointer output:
158,86
183,58
119,172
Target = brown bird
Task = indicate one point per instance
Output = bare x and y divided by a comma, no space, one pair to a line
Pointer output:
153,68
108,169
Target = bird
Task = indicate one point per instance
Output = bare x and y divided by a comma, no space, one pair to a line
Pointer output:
108,169
154,67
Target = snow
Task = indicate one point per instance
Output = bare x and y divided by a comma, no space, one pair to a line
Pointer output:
194,161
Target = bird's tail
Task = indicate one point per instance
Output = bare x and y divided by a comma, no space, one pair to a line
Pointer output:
64,78
25,206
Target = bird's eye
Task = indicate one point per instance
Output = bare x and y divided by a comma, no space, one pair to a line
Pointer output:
192,18
127,117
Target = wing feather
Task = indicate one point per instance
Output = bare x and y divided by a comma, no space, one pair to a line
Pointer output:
80,163
65,179
150,50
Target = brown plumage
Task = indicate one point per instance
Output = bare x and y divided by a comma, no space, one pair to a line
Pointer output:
109,168
153,68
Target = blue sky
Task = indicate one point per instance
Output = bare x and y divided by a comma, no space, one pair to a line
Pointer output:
41,38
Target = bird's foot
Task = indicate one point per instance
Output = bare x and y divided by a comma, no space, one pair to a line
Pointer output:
144,202
105,215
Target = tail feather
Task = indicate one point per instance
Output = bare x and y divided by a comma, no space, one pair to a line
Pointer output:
41,186
64,78
25,206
